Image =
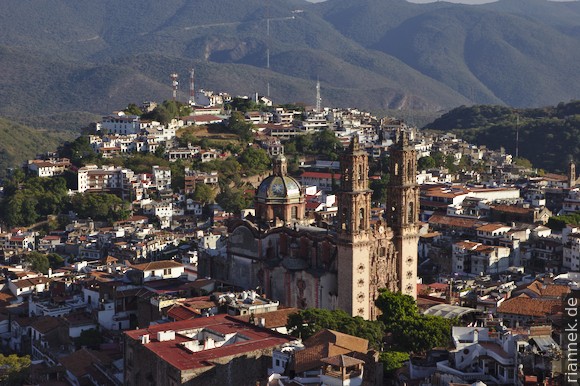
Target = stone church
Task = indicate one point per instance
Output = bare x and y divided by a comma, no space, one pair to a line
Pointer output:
342,267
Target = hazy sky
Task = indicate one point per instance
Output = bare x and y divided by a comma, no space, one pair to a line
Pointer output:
466,1
449,1
454,1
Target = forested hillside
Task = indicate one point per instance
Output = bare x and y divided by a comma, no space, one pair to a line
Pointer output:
19,143
549,137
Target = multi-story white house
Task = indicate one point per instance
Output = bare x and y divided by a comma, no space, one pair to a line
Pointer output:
571,253
120,124
162,177
155,270
571,203
109,179
483,355
28,286
489,234
48,168
477,258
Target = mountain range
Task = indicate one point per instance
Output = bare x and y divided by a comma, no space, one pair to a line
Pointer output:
79,55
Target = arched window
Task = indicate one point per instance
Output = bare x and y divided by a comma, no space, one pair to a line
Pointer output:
361,218
410,169
294,212
360,172
411,214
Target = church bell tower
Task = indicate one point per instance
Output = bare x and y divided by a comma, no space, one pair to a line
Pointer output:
354,232
402,211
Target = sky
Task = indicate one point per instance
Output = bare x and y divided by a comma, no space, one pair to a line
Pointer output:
466,1
472,2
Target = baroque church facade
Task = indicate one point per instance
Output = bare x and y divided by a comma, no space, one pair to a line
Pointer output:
341,267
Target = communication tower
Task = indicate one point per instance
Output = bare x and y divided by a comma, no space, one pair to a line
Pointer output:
192,87
174,84
318,99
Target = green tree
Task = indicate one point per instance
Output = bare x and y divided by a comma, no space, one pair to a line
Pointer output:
55,260
133,109
425,163
559,222
14,369
243,105
379,187
308,322
395,306
78,151
37,262
238,125
90,338
254,160
233,199
411,330
439,159
523,162
204,193
160,151
100,206
326,144
177,175
392,361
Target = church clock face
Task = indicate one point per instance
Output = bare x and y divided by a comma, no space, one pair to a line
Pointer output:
278,189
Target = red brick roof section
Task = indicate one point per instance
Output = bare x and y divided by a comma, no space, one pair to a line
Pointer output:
163,264
177,356
522,305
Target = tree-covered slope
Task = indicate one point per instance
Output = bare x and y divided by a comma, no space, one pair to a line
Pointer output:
19,143
549,137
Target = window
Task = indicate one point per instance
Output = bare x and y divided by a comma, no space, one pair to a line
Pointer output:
167,271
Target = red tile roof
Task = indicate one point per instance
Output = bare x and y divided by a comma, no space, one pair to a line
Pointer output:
80,362
491,227
176,355
273,319
459,222
523,305
336,176
545,290
153,265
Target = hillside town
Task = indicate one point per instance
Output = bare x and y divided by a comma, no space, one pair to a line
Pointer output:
176,289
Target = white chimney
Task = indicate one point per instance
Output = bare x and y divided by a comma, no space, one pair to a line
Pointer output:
262,322
164,336
145,339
